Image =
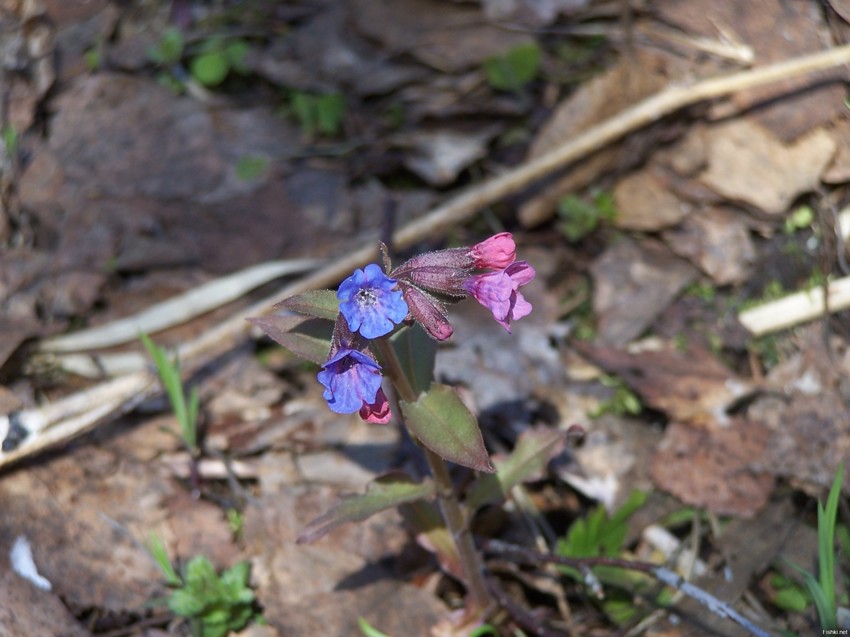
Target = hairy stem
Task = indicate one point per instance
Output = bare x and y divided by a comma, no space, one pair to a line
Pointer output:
452,513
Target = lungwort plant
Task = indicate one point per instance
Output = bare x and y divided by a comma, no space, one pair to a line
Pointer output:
383,324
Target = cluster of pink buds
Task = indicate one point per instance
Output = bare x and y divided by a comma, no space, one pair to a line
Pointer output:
488,271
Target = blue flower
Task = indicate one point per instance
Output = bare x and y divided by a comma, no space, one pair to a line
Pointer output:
351,379
371,302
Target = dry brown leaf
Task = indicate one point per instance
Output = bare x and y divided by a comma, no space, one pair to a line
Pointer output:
26,610
596,100
449,37
439,155
644,202
776,31
713,468
716,240
747,163
633,283
689,386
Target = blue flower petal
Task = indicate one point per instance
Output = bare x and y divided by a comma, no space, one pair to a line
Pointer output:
350,379
371,302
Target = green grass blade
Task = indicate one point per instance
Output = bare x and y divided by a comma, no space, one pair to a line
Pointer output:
156,547
826,544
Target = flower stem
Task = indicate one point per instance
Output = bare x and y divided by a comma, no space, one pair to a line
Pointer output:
453,515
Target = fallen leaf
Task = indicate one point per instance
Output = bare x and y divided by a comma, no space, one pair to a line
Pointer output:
632,284
448,37
747,163
595,101
26,610
644,202
690,386
717,240
776,32
714,468
439,155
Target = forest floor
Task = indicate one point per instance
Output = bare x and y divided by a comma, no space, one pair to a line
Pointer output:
151,148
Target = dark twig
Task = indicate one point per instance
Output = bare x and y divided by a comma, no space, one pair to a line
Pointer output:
663,575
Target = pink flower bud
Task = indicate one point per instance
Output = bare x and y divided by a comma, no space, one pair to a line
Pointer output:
379,412
430,312
495,253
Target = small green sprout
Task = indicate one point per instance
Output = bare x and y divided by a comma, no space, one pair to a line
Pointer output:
251,167
169,50
185,409
214,604
368,630
800,219
217,58
514,69
10,141
822,589
236,521
580,216
322,113
623,402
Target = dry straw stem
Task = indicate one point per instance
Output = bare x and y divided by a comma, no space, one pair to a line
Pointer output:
459,209
796,308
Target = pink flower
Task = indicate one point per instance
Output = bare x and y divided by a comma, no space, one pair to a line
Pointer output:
495,253
499,292
377,413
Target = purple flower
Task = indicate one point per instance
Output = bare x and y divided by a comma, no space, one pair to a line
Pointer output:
499,292
351,380
371,302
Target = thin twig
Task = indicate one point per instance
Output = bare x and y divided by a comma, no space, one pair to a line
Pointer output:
663,575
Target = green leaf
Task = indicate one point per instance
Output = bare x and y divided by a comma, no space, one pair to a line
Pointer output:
160,556
513,70
169,50
210,69
826,548
822,604
367,629
304,107
441,422
316,303
384,493
417,353
792,599
185,603
306,337
533,451
237,51
169,374
251,168
330,109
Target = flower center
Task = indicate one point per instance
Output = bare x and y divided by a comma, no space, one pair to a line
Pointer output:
365,297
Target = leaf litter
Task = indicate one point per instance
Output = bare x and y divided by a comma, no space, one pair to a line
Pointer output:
126,191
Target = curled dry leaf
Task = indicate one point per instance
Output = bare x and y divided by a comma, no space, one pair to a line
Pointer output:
713,468
689,386
633,283
748,163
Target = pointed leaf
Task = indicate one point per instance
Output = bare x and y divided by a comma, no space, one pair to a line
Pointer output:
534,449
316,303
306,337
432,535
441,422
386,492
416,352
